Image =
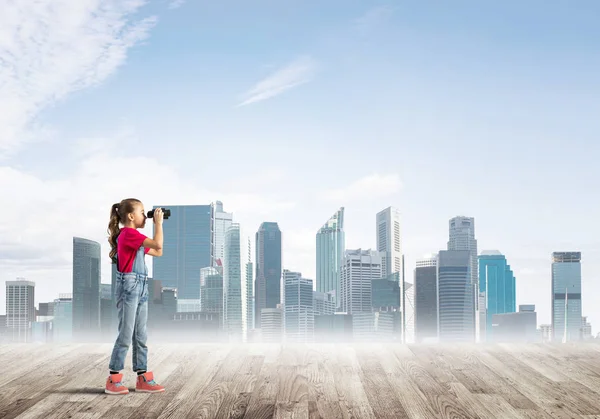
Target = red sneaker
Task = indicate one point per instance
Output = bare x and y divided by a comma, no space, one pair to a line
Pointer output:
114,385
146,384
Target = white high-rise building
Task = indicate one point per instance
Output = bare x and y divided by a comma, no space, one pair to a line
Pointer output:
426,299
299,317
222,221
249,284
235,287
456,314
566,296
389,240
324,303
331,243
427,260
409,312
20,309
462,237
208,271
272,324
359,269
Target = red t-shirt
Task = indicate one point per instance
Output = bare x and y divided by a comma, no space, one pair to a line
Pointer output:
130,240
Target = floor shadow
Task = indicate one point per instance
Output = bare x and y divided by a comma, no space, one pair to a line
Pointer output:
84,390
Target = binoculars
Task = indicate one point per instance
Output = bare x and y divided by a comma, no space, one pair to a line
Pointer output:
166,213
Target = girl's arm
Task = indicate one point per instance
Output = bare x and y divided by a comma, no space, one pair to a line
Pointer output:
156,244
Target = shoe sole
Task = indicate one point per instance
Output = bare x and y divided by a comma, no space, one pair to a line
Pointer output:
115,393
149,391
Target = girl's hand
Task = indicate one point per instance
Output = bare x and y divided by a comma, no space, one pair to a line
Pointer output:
158,216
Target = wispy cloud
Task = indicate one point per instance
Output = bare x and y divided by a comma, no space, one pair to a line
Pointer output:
51,48
175,4
298,72
368,187
373,18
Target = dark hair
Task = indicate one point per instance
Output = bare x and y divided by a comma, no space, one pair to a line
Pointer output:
118,214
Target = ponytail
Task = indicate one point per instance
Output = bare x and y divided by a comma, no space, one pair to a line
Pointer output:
113,231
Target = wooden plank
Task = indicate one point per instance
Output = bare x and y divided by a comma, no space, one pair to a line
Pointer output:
177,368
207,403
427,358
236,401
478,378
102,404
263,399
533,385
201,369
403,372
313,381
65,400
322,396
39,384
443,402
564,368
484,405
353,399
290,410
36,357
382,398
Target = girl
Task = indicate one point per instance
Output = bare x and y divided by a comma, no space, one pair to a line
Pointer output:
128,248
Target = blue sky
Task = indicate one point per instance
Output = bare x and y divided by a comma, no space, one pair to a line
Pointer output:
440,110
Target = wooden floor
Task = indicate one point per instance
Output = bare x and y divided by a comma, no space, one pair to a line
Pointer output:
308,381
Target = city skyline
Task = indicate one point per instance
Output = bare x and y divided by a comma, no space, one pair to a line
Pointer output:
419,262
438,111
363,287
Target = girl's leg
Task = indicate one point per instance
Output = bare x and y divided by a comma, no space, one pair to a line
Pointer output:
127,304
140,350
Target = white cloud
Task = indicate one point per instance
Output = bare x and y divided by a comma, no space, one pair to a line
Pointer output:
51,48
369,187
299,72
37,228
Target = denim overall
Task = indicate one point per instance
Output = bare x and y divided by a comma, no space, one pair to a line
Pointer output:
131,295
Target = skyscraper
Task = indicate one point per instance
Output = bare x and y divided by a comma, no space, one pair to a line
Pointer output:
455,296
462,237
323,303
272,324
63,318
113,300
359,269
426,299
188,246
385,293
234,282
20,309
106,312
222,221
389,241
409,313
331,243
86,289
268,269
515,326
249,284
497,288
211,286
299,316
566,296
